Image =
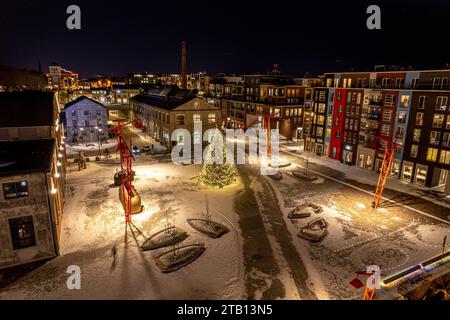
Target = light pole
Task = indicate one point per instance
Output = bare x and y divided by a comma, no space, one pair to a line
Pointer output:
99,130
82,138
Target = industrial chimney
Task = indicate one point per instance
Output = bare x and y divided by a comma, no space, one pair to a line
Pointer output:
183,65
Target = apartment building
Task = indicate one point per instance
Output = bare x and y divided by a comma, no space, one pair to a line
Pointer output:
366,110
251,100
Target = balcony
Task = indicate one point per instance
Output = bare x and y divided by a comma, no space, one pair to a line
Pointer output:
371,116
373,102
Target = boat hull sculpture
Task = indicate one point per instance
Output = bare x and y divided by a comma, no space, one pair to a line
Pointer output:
166,237
304,176
315,230
210,228
277,176
299,212
177,258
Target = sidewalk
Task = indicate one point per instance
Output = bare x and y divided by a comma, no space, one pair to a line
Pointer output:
370,177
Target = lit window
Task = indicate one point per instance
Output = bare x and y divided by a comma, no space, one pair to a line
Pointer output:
15,190
404,101
441,103
416,135
211,118
419,118
432,154
444,158
446,139
414,150
401,117
435,136
197,118
22,232
180,120
438,120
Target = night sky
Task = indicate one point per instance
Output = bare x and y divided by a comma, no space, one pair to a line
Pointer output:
224,36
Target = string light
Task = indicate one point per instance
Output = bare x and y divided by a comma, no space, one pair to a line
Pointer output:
216,174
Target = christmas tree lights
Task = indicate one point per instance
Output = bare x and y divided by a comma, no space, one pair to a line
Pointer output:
216,173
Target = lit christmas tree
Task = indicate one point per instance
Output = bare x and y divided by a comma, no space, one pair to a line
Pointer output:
214,173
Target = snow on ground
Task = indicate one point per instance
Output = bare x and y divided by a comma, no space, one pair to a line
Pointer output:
369,177
393,238
73,149
93,225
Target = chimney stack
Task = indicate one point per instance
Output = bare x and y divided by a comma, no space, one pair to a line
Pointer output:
183,65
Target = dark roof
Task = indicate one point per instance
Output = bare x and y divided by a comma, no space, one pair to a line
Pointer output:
71,103
165,97
25,156
26,108
161,102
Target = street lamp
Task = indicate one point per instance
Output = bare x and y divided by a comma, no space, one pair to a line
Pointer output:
82,137
99,141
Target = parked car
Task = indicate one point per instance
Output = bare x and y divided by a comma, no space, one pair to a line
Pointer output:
135,150
146,148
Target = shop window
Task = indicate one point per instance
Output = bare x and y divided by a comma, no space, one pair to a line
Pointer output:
432,154
407,171
421,174
395,168
15,190
22,232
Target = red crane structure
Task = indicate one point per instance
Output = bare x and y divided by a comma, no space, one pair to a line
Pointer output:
369,293
385,169
126,173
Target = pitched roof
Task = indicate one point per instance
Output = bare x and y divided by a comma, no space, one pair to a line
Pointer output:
71,103
165,97
25,156
26,108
